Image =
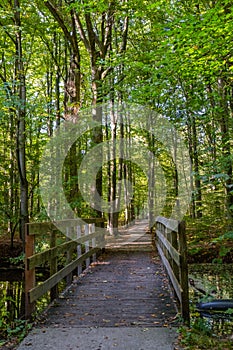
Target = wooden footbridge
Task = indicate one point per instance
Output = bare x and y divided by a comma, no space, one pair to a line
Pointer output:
113,282
128,282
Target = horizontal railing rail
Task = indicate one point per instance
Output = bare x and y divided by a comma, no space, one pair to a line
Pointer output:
80,244
171,243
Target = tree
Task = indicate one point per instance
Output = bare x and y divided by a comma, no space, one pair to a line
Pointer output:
21,131
93,25
190,83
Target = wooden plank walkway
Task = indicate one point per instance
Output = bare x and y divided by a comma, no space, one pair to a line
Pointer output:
124,291
127,286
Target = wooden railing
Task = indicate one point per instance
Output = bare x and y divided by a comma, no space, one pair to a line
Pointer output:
80,243
172,247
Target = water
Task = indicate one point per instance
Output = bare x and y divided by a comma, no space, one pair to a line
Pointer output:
12,296
12,302
217,281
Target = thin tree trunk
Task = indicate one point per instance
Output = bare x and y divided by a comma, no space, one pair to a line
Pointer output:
151,182
198,197
113,216
226,147
196,205
21,131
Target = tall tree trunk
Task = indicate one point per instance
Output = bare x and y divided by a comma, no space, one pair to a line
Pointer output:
96,35
151,182
113,216
72,99
57,54
226,147
11,202
198,196
120,165
193,152
196,204
21,131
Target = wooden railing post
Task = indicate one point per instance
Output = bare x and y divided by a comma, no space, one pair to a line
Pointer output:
101,238
53,264
93,242
30,275
68,257
183,272
87,243
79,250
174,242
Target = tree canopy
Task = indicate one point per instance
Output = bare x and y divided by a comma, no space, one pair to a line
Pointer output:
59,57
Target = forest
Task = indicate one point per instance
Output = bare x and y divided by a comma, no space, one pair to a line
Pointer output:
61,60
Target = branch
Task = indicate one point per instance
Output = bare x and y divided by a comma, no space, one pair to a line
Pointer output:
99,43
81,32
125,34
8,34
106,72
108,28
51,53
74,36
60,21
91,33
3,78
7,88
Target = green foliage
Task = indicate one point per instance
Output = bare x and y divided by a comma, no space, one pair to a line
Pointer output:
201,334
226,236
199,338
17,260
230,311
177,61
17,328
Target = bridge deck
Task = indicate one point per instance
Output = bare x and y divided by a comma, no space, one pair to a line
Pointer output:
122,289
125,289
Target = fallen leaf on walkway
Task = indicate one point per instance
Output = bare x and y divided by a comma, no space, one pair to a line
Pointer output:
69,314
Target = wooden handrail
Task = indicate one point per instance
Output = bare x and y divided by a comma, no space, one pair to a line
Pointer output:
172,247
87,236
